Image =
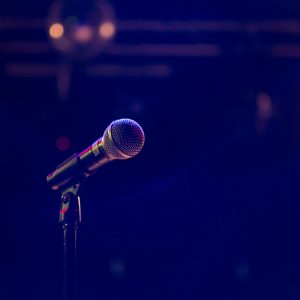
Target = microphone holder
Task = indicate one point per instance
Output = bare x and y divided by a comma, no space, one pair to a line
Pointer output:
70,218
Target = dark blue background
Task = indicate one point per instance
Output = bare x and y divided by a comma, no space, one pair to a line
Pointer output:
208,210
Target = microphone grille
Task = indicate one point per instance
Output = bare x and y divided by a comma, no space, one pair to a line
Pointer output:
123,139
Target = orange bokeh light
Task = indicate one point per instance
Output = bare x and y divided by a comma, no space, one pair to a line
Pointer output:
107,30
56,30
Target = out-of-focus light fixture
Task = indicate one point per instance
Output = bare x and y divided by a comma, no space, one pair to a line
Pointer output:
83,34
56,30
265,111
264,106
107,30
63,143
81,30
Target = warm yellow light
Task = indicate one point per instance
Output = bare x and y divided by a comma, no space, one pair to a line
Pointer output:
56,30
107,30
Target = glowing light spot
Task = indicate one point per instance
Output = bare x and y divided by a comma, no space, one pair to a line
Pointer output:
83,34
63,143
107,30
264,106
56,30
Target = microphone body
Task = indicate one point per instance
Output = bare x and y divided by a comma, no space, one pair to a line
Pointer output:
121,140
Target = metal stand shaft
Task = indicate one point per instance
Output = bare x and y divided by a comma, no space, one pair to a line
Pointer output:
70,217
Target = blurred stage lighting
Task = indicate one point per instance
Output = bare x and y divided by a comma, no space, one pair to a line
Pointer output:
264,112
107,30
56,31
63,143
81,30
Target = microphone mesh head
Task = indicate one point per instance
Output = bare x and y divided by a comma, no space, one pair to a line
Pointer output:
123,139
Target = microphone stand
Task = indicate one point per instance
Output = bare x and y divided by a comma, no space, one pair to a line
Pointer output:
69,218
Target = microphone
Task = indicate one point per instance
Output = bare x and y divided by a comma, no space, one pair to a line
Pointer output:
122,139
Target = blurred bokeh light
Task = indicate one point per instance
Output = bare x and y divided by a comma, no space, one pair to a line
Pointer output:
56,30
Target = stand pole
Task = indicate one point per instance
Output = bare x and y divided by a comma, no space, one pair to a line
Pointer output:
70,217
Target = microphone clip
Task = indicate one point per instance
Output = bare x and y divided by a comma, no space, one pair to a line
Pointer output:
70,207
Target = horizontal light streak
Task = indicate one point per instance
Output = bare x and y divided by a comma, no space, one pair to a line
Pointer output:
108,70
16,47
155,50
185,50
129,71
286,50
13,23
288,26
271,26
